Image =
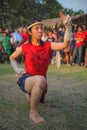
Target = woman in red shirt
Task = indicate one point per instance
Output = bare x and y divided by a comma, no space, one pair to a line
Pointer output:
77,53
85,60
24,34
37,56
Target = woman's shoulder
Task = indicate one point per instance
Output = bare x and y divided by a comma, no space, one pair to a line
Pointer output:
26,44
47,44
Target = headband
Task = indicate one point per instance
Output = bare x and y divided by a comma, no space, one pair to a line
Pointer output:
34,24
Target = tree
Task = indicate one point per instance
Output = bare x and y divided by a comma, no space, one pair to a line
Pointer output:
14,13
71,12
52,8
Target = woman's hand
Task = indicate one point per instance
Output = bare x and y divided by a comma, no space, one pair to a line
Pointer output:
62,16
66,19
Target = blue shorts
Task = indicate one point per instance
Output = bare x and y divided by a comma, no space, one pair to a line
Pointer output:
21,81
53,53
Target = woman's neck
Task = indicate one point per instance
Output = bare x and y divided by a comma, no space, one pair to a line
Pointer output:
35,42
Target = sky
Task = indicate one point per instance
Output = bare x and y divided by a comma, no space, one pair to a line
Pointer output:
74,4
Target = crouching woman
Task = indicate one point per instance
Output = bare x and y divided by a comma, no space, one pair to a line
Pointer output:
37,54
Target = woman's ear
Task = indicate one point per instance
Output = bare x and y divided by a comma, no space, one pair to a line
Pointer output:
29,32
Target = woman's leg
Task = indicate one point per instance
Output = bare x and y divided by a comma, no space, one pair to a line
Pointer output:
80,49
67,58
74,55
35,85
28,96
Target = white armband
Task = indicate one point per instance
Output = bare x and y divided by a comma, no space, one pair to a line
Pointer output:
15,66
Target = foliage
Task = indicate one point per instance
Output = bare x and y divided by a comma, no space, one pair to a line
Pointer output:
18,12
72,13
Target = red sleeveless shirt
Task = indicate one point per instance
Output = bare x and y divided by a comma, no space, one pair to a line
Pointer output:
37,58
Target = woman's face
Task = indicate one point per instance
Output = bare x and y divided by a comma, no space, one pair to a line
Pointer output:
37,31
50,34
4,34
79,29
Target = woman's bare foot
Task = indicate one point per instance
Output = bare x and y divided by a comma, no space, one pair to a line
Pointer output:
85,66
35,117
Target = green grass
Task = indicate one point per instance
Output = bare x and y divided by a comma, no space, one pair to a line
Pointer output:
66,101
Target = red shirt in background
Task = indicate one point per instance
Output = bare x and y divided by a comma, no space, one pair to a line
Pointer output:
81,36
25,36
85,33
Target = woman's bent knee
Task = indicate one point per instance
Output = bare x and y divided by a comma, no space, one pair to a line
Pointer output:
35,81
41,81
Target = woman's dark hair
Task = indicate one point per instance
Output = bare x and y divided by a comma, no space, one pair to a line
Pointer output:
80,26
29,37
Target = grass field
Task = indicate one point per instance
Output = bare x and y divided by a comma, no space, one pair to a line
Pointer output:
66,101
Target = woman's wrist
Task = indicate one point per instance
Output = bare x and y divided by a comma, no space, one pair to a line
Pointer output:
68,25
17,69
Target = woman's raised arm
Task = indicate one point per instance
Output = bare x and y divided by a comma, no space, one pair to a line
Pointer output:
67,37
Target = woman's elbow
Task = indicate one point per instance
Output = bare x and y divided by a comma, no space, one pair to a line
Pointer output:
11,57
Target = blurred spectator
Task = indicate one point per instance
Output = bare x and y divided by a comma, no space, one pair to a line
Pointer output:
0,31
85,59
79,37
44,36
72,44
13,44
5,43
55,35
60,40
24,34
51,39
18,39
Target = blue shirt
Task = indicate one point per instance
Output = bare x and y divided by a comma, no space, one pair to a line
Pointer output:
17,37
